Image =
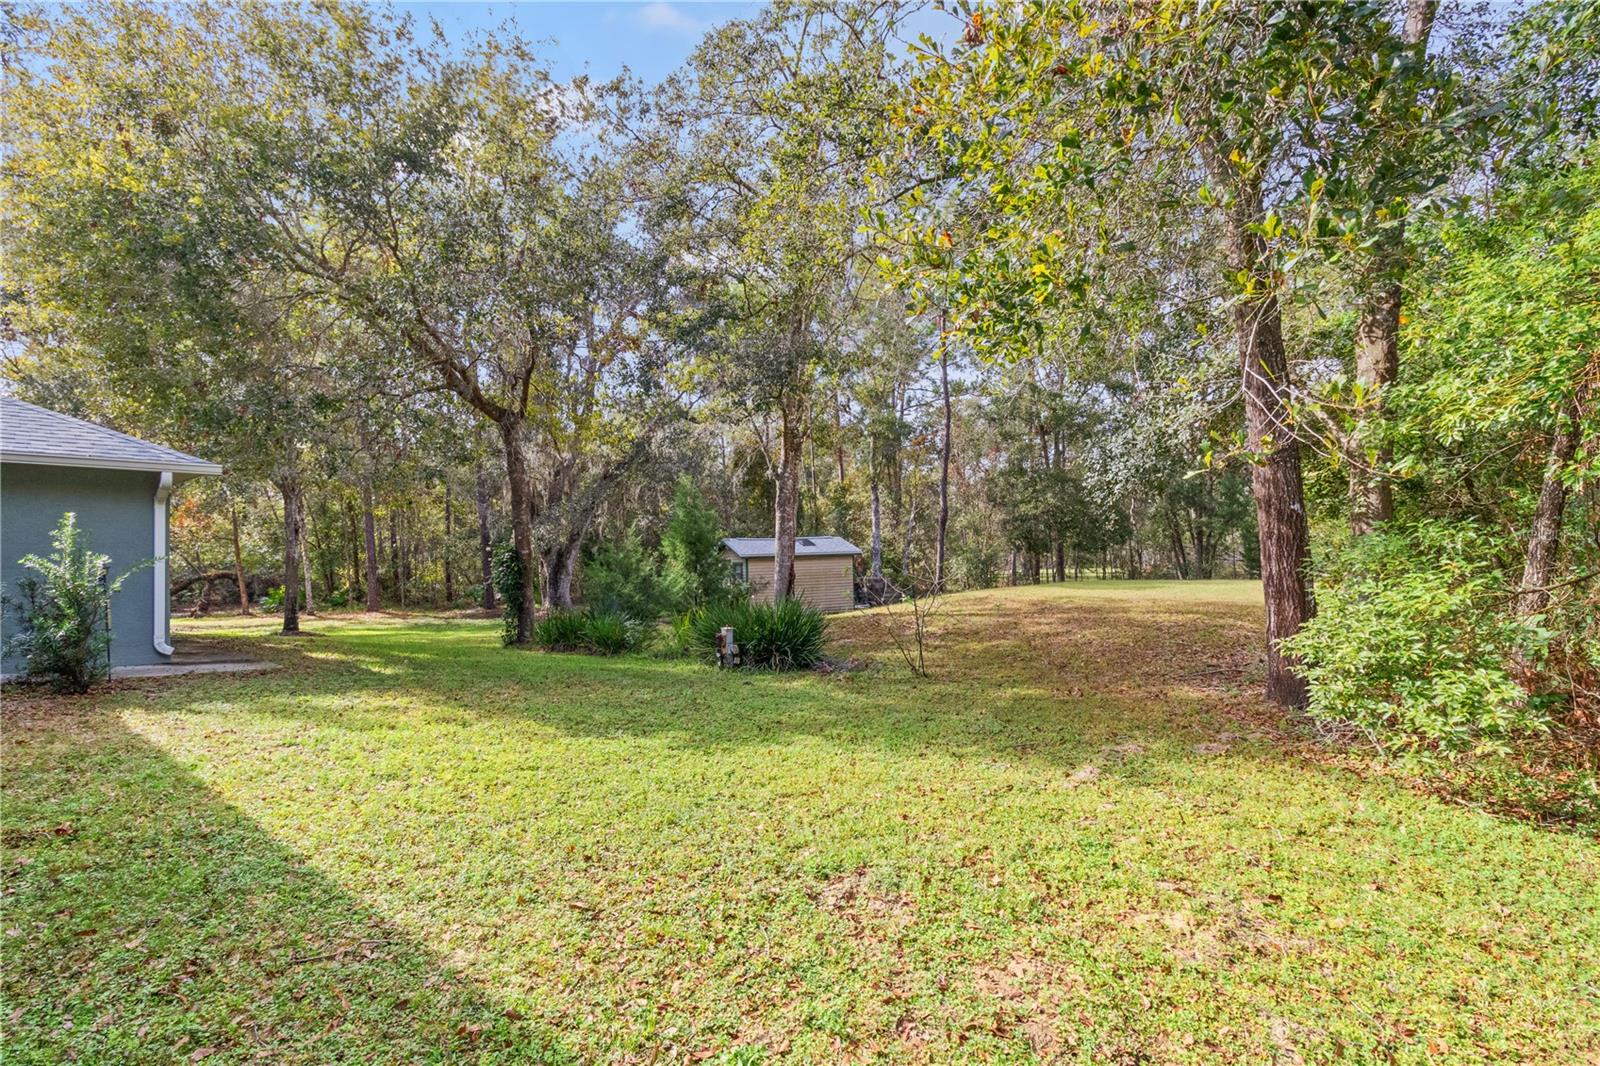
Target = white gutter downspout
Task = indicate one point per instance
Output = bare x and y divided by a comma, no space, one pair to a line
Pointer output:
163,490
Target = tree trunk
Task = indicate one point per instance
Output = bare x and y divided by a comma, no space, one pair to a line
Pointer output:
1275,477
305,558
519,481
785,521
1133,540
1204,550
563,580
354,533
1544,538
394,549
369,533
408,549
877,518
1378,333
399,532
485,545
813,517
289,488
238,562
1180,558
449,576
896,470
1377,366
911,526
330,575
556,564
877,531
944,462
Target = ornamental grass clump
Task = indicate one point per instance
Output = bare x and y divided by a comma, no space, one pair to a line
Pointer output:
607,632
595,631
786,636
560,630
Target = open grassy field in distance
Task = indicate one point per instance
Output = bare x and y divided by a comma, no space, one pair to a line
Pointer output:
1084,839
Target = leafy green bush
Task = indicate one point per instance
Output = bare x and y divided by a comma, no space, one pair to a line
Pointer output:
625,578
1414,644
788,636
62,634
272,599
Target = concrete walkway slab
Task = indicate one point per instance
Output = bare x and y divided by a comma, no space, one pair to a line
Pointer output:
241,666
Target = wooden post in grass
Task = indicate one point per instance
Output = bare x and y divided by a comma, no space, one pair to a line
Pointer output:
727,650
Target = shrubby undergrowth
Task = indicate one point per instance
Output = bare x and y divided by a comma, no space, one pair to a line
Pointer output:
1412,644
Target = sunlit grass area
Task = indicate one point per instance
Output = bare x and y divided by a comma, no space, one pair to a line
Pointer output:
1082,839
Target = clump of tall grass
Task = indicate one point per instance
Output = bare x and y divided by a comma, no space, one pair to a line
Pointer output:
598,632
786,636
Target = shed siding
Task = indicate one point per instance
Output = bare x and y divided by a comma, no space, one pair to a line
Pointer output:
115,509
826,582
760,578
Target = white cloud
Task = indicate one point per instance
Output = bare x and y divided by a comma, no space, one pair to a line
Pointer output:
664,16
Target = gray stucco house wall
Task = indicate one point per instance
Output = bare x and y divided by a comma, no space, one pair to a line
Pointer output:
119,488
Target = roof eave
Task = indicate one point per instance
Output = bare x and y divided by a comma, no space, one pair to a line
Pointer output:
186,468
798,555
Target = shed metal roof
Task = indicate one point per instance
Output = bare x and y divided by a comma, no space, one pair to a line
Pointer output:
32,434
765,547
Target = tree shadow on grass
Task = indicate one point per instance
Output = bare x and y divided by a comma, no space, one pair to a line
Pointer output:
982,857
146,920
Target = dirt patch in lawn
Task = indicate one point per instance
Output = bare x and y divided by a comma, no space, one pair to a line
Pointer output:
1035,997
850,896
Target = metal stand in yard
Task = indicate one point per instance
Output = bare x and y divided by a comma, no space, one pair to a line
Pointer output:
727,650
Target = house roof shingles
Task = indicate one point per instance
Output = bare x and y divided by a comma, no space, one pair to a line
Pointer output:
30,434
764,547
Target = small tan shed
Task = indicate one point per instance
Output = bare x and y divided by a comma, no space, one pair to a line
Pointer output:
824,569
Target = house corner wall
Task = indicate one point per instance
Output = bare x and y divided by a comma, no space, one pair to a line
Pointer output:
114,508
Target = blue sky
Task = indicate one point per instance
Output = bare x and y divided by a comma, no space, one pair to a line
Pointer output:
652,39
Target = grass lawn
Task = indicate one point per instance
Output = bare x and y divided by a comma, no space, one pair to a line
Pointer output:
1083,840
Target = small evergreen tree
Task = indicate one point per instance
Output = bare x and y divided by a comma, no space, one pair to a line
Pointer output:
63,615
696,571
625,578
